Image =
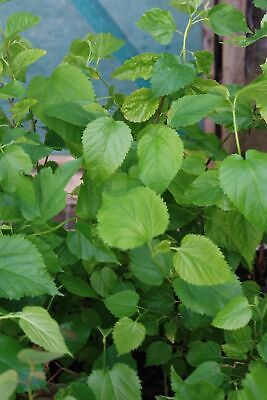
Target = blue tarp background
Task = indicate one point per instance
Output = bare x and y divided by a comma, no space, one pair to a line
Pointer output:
64,20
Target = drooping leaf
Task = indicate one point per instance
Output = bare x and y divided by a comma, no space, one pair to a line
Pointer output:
21,109
13,163
206,300
122,304
119,383
236,233
158,353
133,219
159,23
148,268
140,106
105,145
245,183
77,286
225,20
199,261
245,41
204,61
42,330
209,371
20,22
40,204
128,335
255,383
260,3
236,314
200,352
79,391
140,66
189,110
262,347
22,270
169,75
53,92
205,190
103,281
13,89
25,58
103,45
186,5
8,383
31,356
9,350
82,245
160,154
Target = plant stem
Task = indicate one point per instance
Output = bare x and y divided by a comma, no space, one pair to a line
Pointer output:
54,228
186,33
233,105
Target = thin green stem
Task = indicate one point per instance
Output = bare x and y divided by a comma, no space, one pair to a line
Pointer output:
233,105
186,33
55,228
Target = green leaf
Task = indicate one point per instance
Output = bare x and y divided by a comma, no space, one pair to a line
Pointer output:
128,335
200,352
245,41
236,233
53,92
205,190
260,3
209,371
140,106
206,300
255,383
158,353
21,109
262,347
9,208
245,183
9,349
133,219
81,245
13,89
122,304
32,357
42,330
8,384
169,75
25,58
13,163
199,261
105,145
22,270
103,281
77,286
79,390
40,204
103,45
160,154
119,383
138,67
236,314
20,22
204,61
150,269
159,23
225,20
191,109
186,5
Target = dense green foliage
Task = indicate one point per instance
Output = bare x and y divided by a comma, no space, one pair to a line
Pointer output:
154,275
